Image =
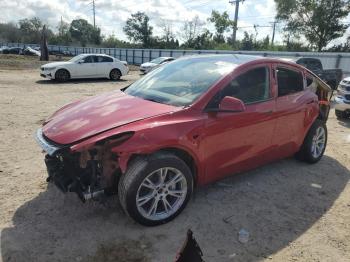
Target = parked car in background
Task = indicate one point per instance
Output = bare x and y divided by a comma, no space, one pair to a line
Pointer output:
331,76
61,53
86,66
2,48
155,63
30,51
189,123
342,99
13,50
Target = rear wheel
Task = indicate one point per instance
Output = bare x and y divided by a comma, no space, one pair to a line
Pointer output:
115,74
154,190
62,75
314,144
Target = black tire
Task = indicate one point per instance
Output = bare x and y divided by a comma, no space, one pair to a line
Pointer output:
340,114
115,74
138,170
305,153
62,75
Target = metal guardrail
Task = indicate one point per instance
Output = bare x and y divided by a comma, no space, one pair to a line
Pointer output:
138,56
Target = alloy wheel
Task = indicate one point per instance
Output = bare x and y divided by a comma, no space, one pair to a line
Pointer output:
318,142
161,193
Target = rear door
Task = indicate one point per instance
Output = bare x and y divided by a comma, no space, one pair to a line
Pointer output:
295,108
104,66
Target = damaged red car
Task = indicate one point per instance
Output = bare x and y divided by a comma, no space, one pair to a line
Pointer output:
189,123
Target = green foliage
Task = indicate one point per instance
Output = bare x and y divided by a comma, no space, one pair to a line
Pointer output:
138,29
85,33
345,47
319,21
222,23
113,42
30,30
63,37
10,32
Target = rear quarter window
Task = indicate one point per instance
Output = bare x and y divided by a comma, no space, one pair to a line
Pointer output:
289,81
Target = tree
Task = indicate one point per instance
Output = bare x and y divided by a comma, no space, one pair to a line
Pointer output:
222,23
84,32
31,29
168,34
190,30
204,41
63,37
319,21
9,32
138,29
247,41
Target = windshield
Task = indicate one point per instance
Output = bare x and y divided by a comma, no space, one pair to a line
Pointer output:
76,58
158,60
181,82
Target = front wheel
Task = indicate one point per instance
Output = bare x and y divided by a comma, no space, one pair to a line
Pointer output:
155,189
314,144
62,75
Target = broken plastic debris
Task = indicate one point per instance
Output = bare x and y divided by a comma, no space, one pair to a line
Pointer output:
243,236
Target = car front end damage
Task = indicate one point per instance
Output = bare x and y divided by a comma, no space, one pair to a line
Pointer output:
90,173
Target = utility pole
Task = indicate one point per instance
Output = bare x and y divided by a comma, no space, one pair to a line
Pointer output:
274,31
93,10
61,29
234,33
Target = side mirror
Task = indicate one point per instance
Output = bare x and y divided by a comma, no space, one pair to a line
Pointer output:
231,104
80,62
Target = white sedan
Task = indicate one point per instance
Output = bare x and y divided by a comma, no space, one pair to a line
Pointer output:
155,63
86,66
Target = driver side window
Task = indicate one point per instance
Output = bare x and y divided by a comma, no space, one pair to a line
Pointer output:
250,87
88,59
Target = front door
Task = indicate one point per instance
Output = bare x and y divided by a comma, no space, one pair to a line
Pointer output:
233,142
87,67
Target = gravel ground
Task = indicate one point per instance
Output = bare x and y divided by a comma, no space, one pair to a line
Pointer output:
292,211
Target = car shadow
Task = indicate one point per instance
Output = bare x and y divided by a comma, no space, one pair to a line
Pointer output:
344,122
276,204
77,81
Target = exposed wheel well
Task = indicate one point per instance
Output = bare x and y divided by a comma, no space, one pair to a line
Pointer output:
182,154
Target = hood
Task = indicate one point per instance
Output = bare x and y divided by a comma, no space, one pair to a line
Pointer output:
54,64
148,64
83,119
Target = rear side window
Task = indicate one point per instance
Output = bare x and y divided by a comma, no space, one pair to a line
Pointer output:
104,59
289,81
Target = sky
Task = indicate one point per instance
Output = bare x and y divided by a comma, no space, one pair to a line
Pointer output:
112,14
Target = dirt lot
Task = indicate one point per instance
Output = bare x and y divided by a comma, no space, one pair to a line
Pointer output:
293,211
